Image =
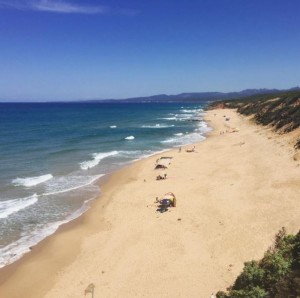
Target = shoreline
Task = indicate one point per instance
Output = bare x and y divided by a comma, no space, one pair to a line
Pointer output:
44,246
100,182
65,249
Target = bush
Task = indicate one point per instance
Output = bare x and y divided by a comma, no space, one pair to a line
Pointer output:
296,253
277,275
252,292
276,266
252,275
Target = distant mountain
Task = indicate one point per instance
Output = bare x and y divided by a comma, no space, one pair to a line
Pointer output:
196,96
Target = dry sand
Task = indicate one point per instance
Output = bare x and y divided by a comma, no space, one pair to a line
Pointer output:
233,194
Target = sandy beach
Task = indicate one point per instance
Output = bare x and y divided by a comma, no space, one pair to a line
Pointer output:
233,194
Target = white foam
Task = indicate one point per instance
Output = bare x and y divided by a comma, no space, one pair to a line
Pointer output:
12,206
97,157
134,153
130,138
170,140
202,124
188,111
203,128
195,110
17,249
68,183
31,181
178,134
185,139
184,116
169,118
140,154
157,126
179,117
113,126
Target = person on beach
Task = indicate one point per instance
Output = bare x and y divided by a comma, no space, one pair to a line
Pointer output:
179,149
191,150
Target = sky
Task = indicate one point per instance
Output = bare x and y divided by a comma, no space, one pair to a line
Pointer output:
72,49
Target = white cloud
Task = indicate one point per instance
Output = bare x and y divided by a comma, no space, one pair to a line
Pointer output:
55,6
65,7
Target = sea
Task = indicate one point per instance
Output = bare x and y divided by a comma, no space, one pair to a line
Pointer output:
52,156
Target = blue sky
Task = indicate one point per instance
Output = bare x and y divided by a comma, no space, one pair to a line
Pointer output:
68,49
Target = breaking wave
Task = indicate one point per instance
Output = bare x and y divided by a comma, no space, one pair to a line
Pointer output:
17,249
12,206
185,139
31,181
97,157
68,183
157,126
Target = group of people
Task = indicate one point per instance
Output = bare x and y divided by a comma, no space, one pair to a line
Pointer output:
160,177
230,130
188,150
191,149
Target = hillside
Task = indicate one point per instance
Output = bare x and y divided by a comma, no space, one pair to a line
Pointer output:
278,110
194,97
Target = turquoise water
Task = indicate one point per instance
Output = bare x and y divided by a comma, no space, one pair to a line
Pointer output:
53,154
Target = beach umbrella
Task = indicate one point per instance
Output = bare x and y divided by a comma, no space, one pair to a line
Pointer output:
170,196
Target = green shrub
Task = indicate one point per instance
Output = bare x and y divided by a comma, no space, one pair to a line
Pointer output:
252,275
221,294
253,292
277,275
296,253
276,266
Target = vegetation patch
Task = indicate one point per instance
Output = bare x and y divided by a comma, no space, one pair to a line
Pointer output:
277,275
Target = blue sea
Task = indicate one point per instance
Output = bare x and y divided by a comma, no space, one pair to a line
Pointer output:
53,154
